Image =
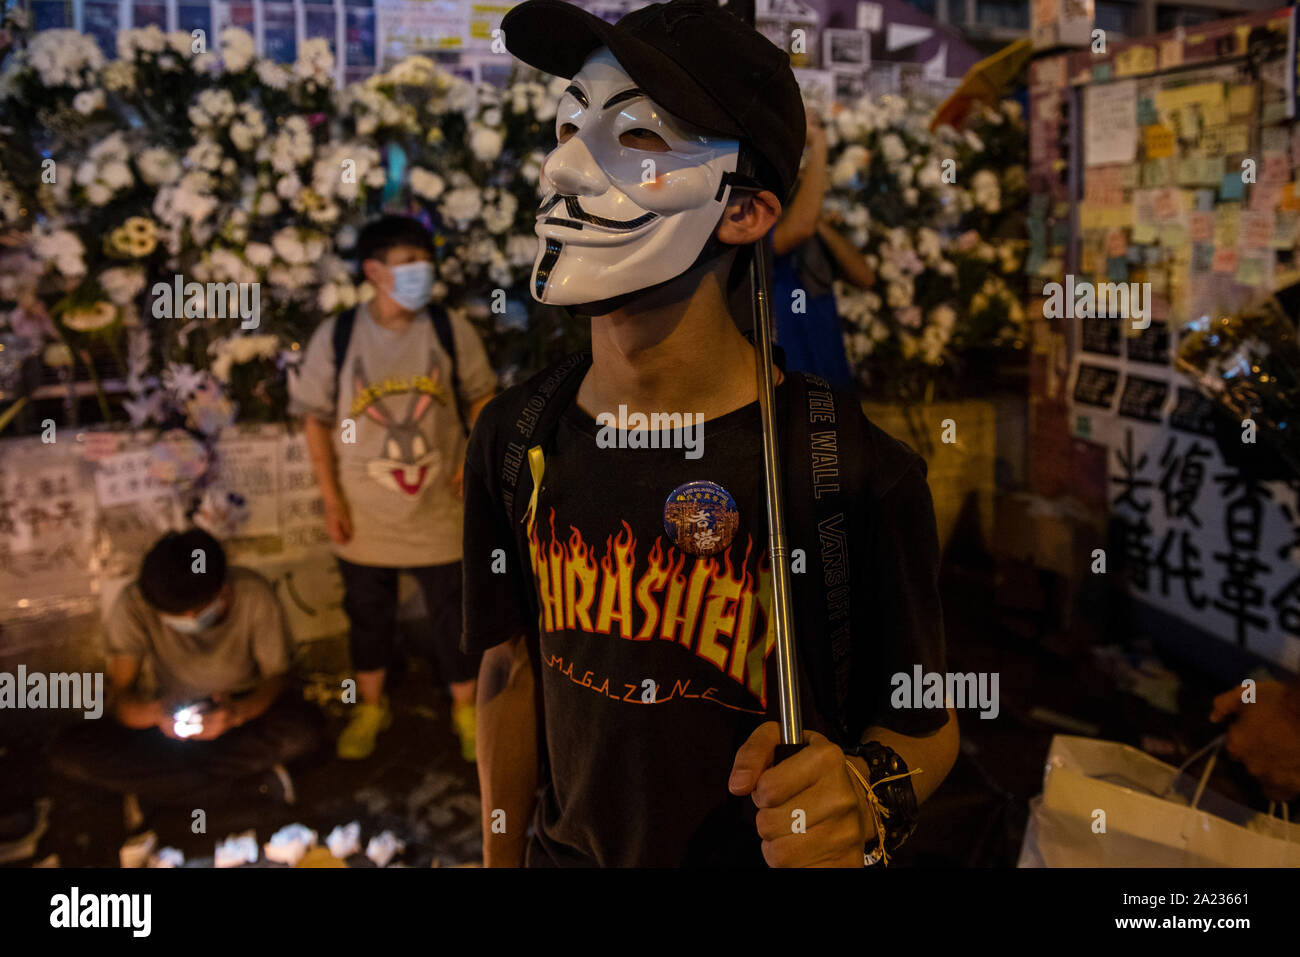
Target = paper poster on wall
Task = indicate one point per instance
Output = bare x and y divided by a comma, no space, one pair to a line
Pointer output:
1205,543
124,479
1110,128
406,27
248,468
870,16
301,510
279,32
47,518
359,36
483,19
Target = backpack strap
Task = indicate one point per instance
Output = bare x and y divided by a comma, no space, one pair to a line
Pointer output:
552,390
825,481
347,321
548,395
442,328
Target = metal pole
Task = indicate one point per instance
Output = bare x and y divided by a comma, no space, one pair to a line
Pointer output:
782,608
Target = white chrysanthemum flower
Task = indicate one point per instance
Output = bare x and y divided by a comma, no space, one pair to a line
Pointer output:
315,62
288,187
248,128
259,254
189,199
426,184
64,57
413,71
158,166
181,42
237,49
484,143
206,154
122,283
212,108
899,294
88,101
273,75
61,248
893,148
289,246
853,159
462,205
521,250
148,40
930,175
929,244
498,217
461,96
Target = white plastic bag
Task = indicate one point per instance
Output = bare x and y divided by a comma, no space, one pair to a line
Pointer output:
1106,804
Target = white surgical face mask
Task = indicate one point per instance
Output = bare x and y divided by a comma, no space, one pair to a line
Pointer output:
201,622
412,285
615,219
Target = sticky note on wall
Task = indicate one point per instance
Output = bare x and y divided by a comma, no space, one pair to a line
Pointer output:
1159,141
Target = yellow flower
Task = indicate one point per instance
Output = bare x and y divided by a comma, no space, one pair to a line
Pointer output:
90,318
136,237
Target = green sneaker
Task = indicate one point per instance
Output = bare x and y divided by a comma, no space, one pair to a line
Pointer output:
463,719
358,739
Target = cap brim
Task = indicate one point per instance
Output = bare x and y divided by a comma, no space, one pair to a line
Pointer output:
558,37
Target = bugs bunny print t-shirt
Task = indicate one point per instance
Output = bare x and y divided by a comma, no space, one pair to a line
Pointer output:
397,438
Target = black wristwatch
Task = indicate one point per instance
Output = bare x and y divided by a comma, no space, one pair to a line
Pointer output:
897,797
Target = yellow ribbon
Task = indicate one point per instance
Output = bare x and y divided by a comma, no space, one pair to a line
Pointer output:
878,811
536,465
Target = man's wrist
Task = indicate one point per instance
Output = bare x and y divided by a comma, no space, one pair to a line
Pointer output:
889,779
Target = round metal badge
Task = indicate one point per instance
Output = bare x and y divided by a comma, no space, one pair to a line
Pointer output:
701,517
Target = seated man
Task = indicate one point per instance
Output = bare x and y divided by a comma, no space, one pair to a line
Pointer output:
198,660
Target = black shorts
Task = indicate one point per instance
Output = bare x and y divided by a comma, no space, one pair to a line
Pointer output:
370,601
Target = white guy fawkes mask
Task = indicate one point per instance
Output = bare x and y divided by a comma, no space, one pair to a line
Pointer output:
620,214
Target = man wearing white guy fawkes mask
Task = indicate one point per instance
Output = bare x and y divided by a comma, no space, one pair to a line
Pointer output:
620,591
634,192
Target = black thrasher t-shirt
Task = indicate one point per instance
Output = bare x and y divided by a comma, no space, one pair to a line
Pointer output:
657,664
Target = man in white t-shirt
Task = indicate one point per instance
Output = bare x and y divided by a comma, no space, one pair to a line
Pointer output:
199,659
387,394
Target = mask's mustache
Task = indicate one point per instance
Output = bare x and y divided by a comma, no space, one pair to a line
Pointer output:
577,215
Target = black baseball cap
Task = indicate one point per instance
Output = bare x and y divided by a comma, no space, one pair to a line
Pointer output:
695,59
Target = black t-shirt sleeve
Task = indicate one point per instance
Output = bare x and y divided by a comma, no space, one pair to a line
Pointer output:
908,618
496,606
